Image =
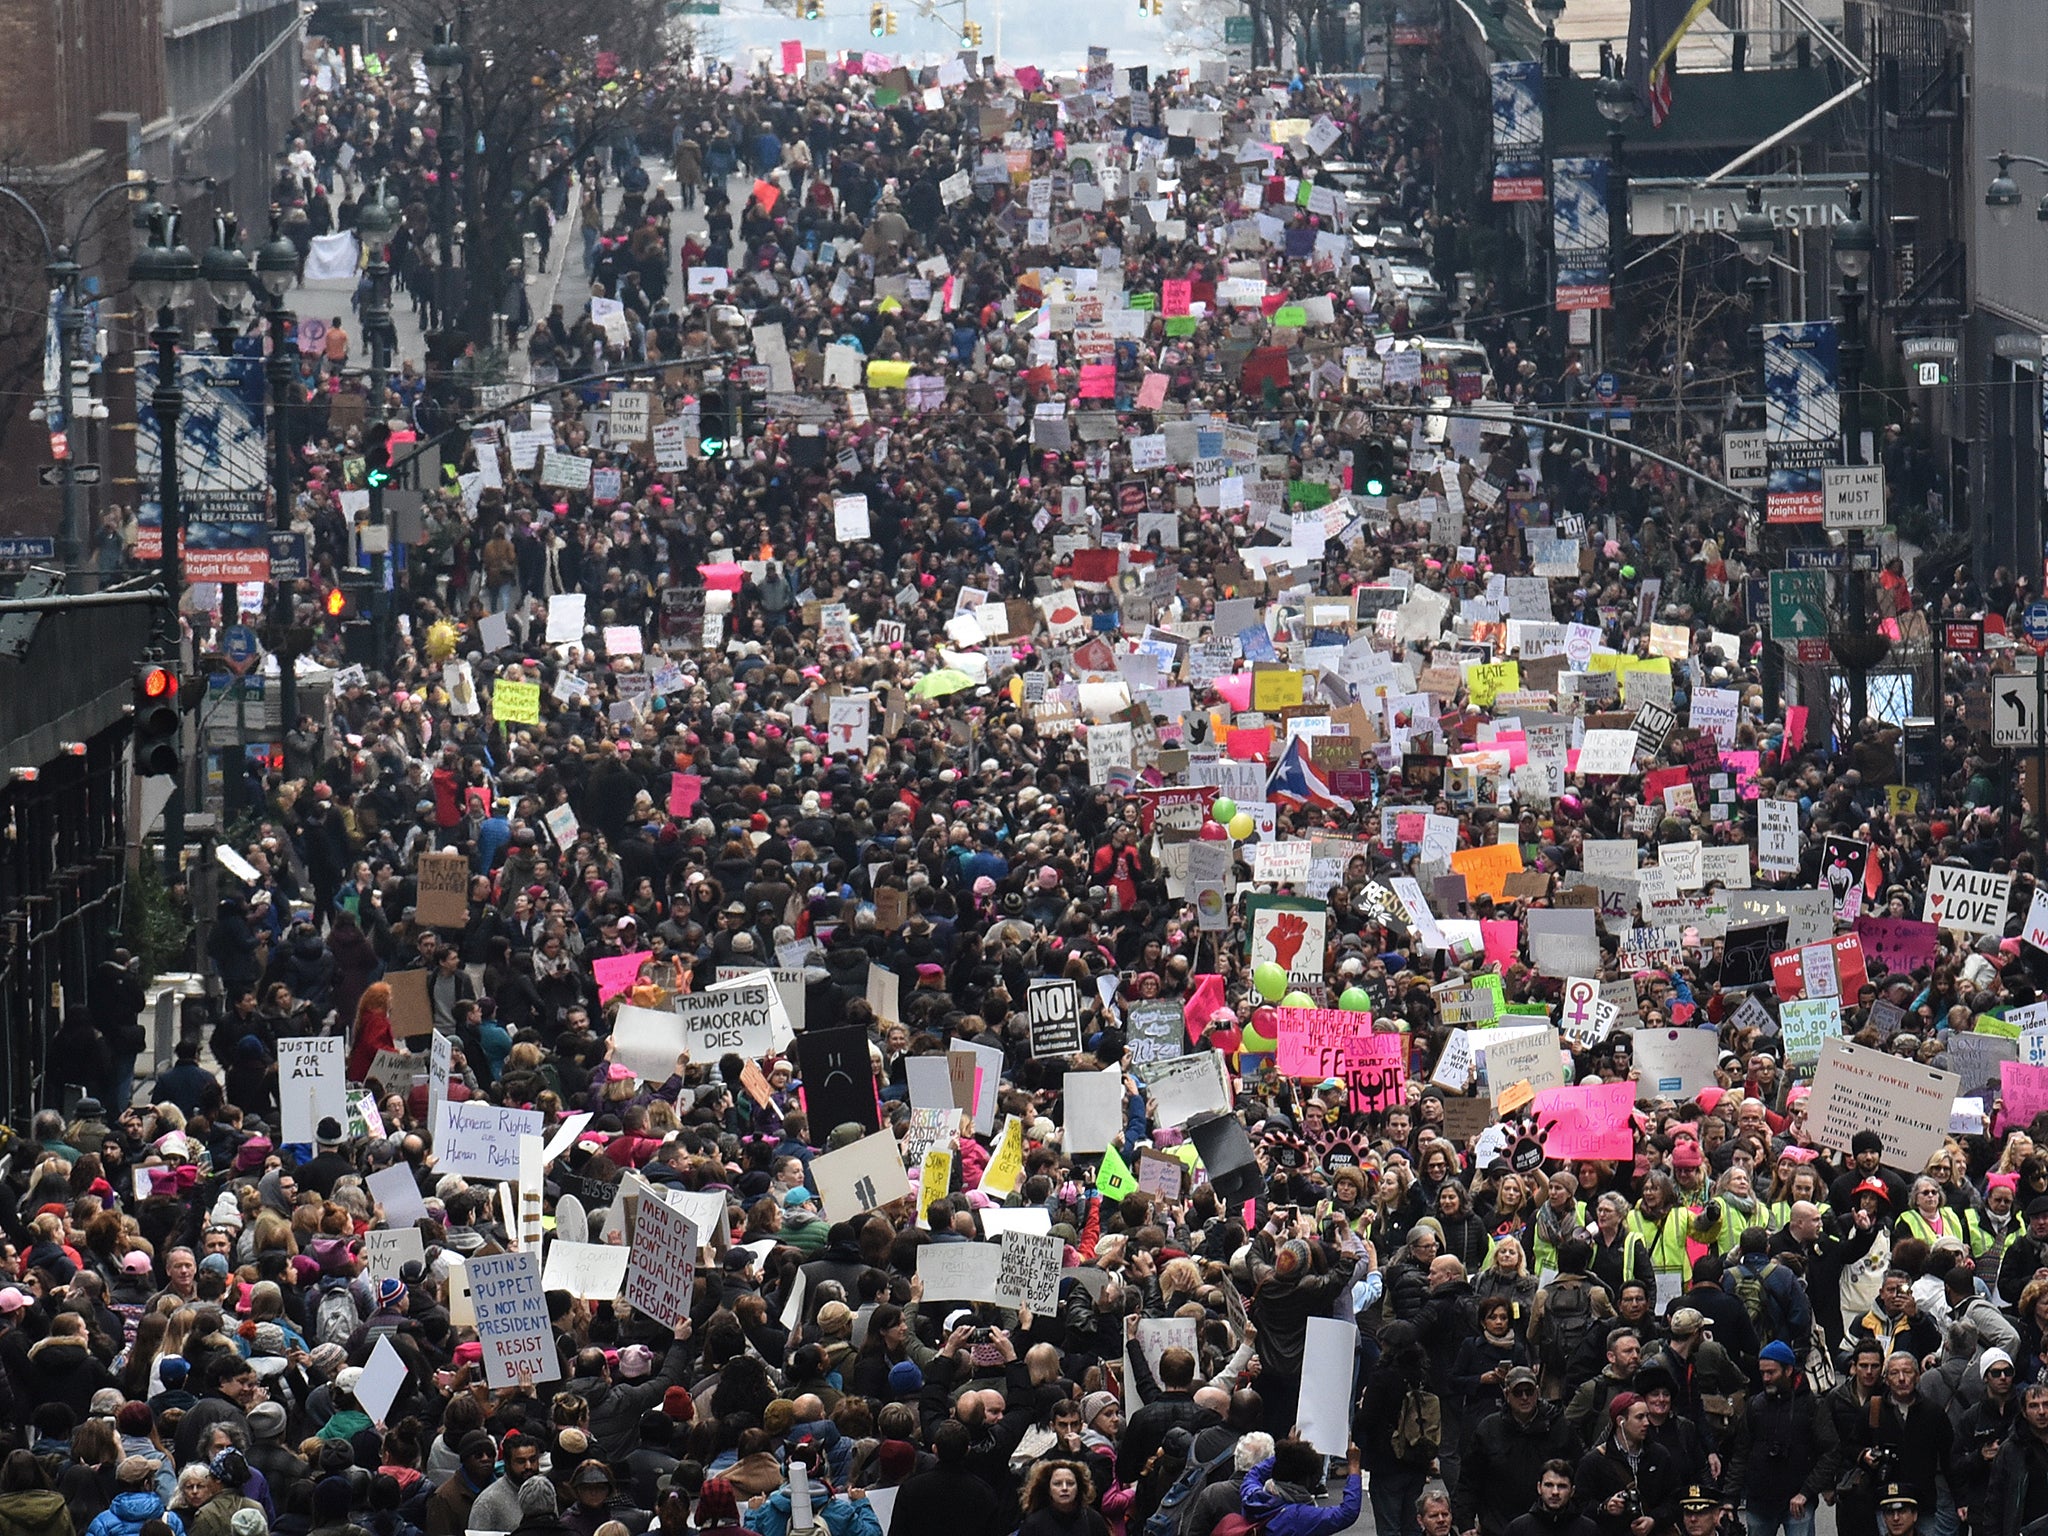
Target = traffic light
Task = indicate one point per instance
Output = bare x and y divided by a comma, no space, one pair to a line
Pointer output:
338,604
159,723
972,37
1158,7
377,456
1375,467
813,9
889,17
714,421
877,20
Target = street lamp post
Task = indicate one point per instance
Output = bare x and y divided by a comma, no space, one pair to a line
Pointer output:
163,274
1756,237
65,276
444,63
1617,104
1859,649
277,268
225,270
375,221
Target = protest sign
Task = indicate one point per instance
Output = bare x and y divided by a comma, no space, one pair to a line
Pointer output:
1856,1089
1589,1120
648,1040
472,1137
1055,1019
1155,1030
1030,1270
412,1005
1516,1056
2025,1092
663,1269
388,1250
1675,1063
1328,1361
860,1177
960,1271
443,899
1804,1024
384,1377
591,1271
312,1084
1188,1086
1093,1109
396,1189
1966,900
512,1318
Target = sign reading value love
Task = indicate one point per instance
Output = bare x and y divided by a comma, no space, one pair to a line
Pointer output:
1966,900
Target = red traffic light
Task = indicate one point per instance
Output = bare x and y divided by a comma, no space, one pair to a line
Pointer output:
337,603
159,683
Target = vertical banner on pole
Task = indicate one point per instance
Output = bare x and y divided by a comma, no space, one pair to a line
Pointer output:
1578,232
1802,419
1518,132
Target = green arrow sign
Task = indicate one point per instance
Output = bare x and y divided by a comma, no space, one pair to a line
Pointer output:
1799,605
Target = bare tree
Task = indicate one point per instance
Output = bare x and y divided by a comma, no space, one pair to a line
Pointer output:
525,91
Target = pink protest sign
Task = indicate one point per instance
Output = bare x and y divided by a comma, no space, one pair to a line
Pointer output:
1503,939
792,57
1900,944
1313,1040
684,790
2023,1091
615,973
1587,1121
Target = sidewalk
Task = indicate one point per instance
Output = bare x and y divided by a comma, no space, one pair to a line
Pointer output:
565,281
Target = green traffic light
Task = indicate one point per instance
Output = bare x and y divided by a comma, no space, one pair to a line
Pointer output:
1375,486
712,447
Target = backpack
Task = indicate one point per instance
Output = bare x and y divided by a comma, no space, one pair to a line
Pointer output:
334,1315
1178,1499
1567,1319
1746,1288
1419,1431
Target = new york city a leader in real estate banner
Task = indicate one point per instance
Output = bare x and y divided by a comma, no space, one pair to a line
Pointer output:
223,470
1518,132
1578,231
1802,419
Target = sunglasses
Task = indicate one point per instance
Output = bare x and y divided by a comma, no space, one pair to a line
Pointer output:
1999,1370
1523,1390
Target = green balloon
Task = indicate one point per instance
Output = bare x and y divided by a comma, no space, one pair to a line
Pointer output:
1354,1000
1297,1000
1269,981
1223,809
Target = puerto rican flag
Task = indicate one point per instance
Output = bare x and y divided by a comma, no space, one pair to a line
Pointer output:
1295,781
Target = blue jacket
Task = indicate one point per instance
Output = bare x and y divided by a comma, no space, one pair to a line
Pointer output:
130,1512
1299,1516
839,1515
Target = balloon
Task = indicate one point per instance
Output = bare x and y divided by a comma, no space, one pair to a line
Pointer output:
1223,809
1212,833
1269,981
1354,1000
1242,826
1297,999
1253,1040
1263,1021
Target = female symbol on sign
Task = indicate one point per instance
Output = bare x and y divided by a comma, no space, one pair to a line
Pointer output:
1580,998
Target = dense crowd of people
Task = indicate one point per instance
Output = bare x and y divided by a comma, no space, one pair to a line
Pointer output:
1055,376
